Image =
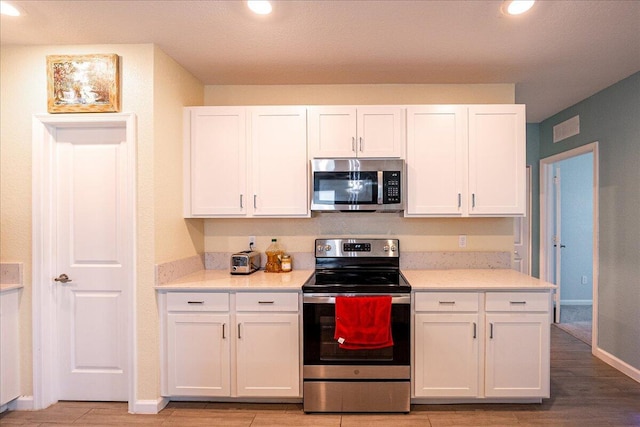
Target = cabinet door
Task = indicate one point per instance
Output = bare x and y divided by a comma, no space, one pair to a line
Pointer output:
198,354
279,167
446,355
217,170
497,160
517,355
268,358
9,348
379,132
332,132
436,160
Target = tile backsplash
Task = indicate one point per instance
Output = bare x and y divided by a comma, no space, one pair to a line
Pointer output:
169,271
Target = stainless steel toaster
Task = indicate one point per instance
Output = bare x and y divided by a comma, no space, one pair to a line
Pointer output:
245,262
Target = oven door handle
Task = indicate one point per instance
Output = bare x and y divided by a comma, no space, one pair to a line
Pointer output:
331,298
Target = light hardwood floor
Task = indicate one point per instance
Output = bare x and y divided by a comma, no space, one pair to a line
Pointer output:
584,392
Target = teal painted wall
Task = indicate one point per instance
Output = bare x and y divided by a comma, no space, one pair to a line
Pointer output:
612,117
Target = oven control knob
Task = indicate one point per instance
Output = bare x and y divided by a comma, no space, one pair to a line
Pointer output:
393,248
327,248
386,248
320,248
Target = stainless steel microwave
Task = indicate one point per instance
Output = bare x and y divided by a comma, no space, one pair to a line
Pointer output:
364,185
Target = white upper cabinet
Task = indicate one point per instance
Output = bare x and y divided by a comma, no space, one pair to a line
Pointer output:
436,160
279,161
466,160
215,161
497,159
371,131
245,161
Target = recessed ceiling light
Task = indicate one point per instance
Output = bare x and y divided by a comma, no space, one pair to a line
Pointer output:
516,7
261,7
7,9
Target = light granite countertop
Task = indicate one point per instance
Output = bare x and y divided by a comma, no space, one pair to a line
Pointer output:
224,281
474,279
463,279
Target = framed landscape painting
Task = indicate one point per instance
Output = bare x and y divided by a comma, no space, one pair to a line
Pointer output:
83,83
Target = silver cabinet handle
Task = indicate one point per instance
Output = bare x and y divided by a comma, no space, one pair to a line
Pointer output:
223,334
266,302
473,200
491,330
195,302
361,144
239,336
63,278
255,196
517,302
241,202
447,302
474,330
353,143
459,200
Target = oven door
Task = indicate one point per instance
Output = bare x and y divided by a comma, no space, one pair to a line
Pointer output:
321,349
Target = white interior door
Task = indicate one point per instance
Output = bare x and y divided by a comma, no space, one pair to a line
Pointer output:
92,249
557,241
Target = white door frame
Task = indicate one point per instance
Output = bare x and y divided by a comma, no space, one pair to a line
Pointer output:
45,357
546,221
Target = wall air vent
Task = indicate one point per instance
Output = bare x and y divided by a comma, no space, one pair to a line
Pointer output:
566,129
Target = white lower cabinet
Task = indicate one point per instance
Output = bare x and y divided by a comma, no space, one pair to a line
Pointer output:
222,344
268,361
446,355
198,354
446,344
481,345
9,346
518,345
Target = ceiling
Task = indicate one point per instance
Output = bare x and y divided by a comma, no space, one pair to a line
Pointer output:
559,53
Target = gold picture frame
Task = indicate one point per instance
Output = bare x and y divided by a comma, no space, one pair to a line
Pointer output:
83,83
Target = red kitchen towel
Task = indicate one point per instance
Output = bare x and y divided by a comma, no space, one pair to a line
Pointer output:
363,323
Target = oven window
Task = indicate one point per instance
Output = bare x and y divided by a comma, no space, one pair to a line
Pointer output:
346,188
320,347
330,349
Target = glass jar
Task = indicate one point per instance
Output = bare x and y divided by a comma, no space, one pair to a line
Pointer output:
286,263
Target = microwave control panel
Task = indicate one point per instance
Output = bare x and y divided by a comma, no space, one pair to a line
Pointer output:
391,185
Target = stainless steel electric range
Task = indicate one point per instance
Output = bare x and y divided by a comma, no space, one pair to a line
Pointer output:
342,379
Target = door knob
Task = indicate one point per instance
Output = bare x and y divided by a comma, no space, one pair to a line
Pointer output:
63,278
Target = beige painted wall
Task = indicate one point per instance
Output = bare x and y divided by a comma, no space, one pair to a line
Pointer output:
173,237
174,89
155,88
363,94
415,234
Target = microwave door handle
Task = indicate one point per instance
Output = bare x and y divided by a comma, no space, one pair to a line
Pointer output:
380,186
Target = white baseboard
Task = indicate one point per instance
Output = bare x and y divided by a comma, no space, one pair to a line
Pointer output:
576,302
150,406
620,365
22,403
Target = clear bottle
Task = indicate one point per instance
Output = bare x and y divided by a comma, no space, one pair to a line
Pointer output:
274,257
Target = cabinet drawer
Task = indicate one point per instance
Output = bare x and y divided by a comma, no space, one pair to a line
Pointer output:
446,301
517,301
267,301
197,301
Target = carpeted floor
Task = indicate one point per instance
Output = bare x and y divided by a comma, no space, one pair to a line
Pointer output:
580,330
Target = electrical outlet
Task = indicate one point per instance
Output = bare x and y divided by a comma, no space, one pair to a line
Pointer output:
584,280
462,241
252,242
